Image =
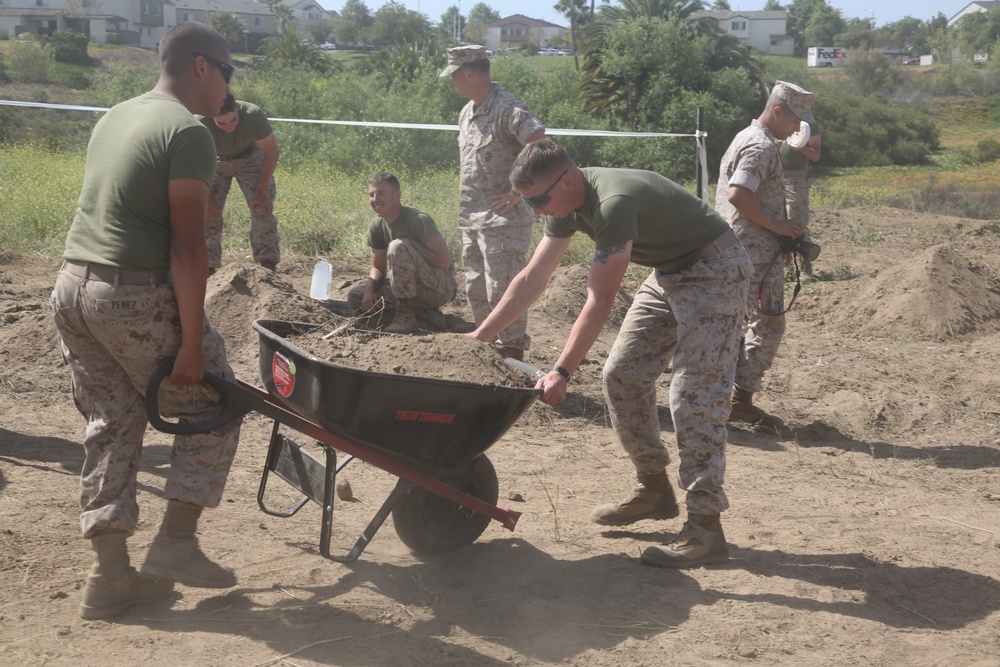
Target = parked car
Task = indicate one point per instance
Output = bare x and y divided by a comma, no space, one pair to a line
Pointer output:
547,52
564,52
328,46
490,52
912,61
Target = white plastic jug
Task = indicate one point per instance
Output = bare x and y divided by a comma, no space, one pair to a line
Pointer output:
801,137
322,277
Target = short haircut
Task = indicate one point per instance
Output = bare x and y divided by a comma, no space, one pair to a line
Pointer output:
228,106
536,159
183,39
384,177
479,66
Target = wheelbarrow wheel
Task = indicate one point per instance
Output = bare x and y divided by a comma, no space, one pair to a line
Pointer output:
428,523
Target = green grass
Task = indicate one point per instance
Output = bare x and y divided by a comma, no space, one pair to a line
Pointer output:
319,212
38,193
954,182
323,212
551,65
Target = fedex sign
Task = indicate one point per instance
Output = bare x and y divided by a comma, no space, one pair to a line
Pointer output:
826,56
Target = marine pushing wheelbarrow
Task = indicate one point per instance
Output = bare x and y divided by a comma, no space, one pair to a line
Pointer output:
431,434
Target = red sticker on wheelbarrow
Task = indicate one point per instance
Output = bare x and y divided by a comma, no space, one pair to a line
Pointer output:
283,373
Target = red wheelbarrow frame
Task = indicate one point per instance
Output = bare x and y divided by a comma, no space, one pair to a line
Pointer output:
316,480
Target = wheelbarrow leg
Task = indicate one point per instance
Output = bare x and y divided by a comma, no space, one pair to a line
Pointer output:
401,489
317,481
286,459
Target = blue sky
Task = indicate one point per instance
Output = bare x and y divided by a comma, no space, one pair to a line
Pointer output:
883,11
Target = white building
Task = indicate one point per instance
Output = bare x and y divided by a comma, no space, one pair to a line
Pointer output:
972,8
144,22
518,31
766,31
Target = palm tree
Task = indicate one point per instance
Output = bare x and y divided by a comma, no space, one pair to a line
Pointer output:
576,12
228,25
599,91
282,12
288,49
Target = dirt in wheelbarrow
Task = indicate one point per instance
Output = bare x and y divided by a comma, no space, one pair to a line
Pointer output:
864,532
437,355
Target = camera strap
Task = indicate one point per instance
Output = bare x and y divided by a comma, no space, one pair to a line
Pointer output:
795,292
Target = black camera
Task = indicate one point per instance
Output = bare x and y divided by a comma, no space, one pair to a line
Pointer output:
799,245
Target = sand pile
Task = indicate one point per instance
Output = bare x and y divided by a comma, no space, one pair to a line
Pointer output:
938,294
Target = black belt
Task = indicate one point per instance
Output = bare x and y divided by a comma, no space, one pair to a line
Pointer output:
112,274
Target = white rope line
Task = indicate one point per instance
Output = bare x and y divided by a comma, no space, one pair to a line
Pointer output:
699,135
363,123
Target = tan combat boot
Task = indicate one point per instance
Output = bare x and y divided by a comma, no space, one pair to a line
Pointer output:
700,542
405,321
743,410
113,585
653,498
175,556
432,317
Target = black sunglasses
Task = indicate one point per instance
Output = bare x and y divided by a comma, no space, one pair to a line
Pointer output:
541,200
226,69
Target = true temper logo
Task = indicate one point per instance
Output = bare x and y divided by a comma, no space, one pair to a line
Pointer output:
424,417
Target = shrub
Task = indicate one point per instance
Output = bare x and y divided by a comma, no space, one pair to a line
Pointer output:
117,83
868,132
27,62
987,150
69,46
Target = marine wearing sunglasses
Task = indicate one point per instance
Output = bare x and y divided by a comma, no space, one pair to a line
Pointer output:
226,69
542,199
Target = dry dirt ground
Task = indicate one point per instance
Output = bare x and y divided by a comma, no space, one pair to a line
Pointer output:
867,532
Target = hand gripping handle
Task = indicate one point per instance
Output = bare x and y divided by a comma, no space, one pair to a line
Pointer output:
234,403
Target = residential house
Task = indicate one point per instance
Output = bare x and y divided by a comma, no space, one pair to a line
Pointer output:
144,22
763,30
972,8
308,11
258,21
100,20
518,31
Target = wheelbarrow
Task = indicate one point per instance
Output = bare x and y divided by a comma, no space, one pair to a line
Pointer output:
431,434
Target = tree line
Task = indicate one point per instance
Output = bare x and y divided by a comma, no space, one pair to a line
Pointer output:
640,65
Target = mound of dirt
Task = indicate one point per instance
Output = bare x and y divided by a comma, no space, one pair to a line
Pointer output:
563,298
938,294
28,338
240,293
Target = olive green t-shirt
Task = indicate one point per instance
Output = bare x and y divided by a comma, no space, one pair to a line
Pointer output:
253,126
412,223
793,160
665,222
136,149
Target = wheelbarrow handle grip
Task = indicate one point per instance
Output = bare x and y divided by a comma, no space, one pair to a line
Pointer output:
232,405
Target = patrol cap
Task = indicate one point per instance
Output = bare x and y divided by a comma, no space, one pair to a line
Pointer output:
797,99
463,55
